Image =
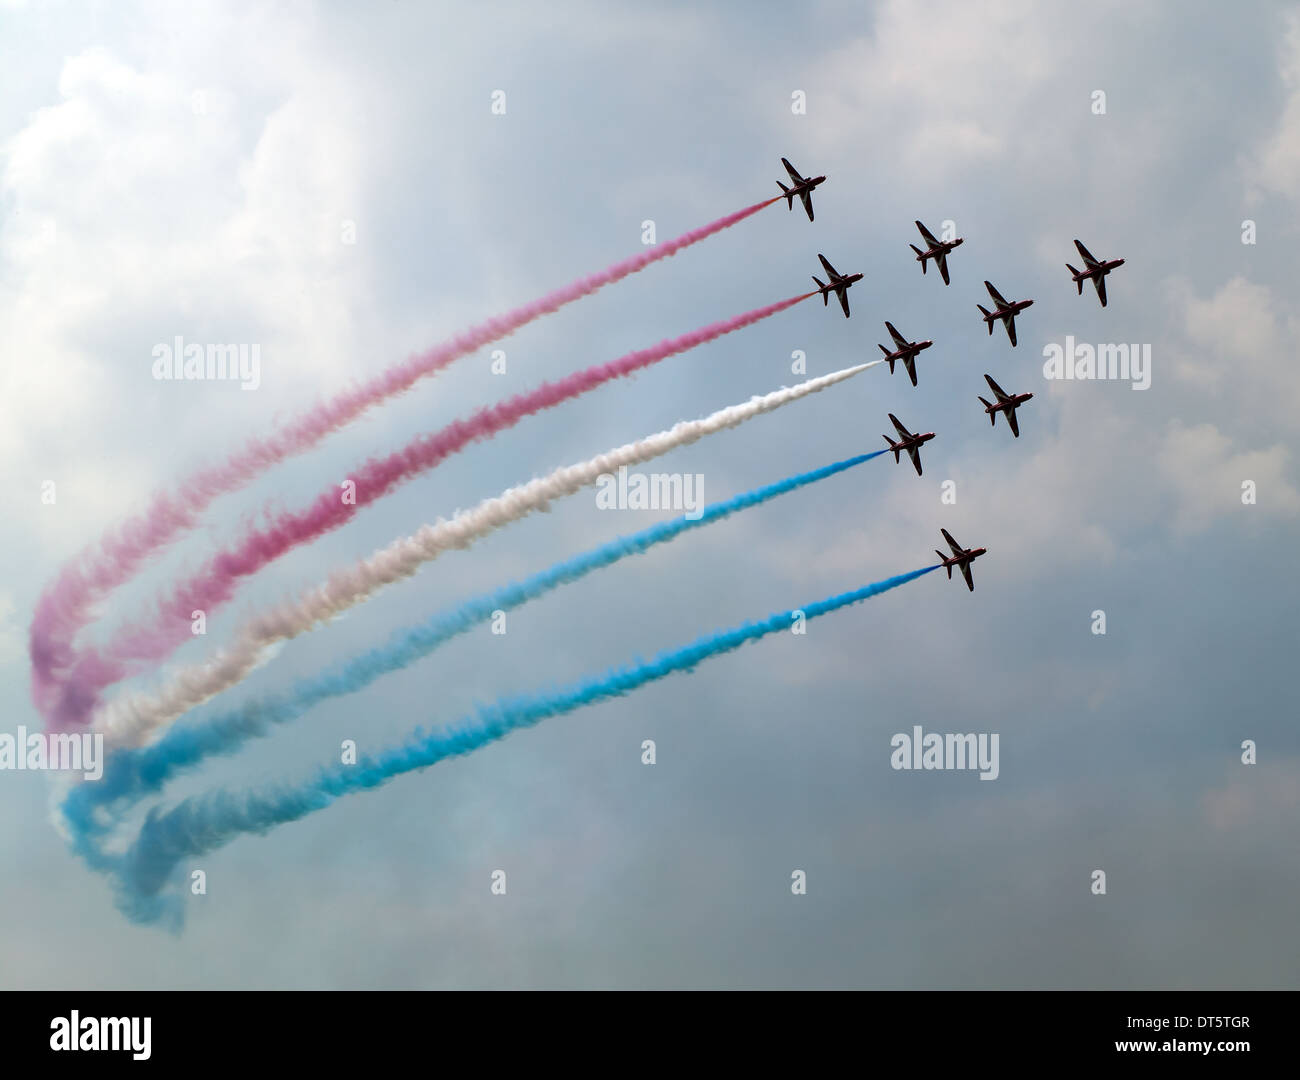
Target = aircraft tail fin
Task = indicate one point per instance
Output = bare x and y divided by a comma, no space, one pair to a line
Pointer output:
988,316
826,295
894,447
988,406
882,349
1077,279
920,255
789,195
943,556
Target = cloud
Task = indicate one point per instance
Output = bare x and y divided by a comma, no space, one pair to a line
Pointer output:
1276,167
1254,795
1206,475
1241,347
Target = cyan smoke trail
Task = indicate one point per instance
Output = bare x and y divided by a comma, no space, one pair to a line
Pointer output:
200,825
133,774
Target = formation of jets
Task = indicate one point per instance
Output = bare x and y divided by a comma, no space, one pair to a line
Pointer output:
1004,311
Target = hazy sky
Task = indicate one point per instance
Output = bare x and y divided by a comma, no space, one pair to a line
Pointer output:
189,170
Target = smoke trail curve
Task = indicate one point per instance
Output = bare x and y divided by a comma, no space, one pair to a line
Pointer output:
67,605
134,774
200,825
132,720
214,584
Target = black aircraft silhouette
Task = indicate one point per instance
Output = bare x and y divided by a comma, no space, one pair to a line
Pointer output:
1097,270
904,350
1006,403
803,187
936,250
839,284
1005,311
961,558
909,442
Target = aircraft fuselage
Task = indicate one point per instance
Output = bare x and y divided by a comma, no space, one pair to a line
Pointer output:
839,283
967,556
1010,311
1014,403
911,349
942,248
1100,270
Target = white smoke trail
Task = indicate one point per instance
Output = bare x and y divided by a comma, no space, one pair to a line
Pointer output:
133,720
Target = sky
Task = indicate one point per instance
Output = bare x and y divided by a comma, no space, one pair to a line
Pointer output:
332,182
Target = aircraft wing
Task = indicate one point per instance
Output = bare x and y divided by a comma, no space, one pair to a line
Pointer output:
965,572
941,261
899,340
1002,394
1015,424
1085,254
997,296
828,267
909,362
805,197
1011,329
957,549
843,294
902,431
794,174
927,235
915,454
1100,282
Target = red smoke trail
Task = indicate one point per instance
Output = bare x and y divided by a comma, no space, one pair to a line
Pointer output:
68,604
215,583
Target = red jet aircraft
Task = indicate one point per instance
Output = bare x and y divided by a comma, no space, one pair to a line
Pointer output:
1097,270
961,558
904,350
909,442
936,250
803,187
839,285
1005,311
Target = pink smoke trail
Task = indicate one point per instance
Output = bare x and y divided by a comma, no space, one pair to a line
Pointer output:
215,583
68,604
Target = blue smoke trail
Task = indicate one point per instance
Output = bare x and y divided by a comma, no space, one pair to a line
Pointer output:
135,773
200,825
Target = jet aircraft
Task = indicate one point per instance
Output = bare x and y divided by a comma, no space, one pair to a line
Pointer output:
839,284
1005,311
936,250
1006,403
961,558
904,350
803,187
909,442
1097,271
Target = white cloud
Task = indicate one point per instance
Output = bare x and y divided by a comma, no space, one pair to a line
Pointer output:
1206,475
1276,168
